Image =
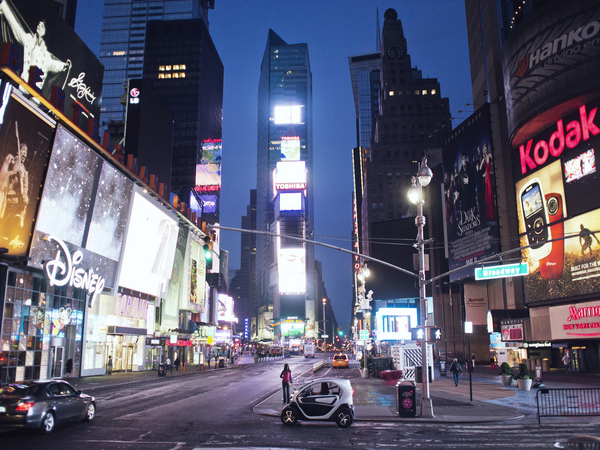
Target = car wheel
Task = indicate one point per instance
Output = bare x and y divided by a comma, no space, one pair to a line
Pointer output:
90,412
289,417
344,418
48,422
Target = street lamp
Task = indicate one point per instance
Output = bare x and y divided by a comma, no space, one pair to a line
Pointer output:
324,335
415,194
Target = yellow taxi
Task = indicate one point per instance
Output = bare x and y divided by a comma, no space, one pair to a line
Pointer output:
340,360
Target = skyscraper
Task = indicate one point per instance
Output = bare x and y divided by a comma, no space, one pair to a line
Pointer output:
284,272
123,41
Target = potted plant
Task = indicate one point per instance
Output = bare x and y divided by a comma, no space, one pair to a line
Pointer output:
524,380
505,374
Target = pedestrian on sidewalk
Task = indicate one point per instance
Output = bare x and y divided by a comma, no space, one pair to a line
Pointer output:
456,370
69,367
286,379
493,364
109,365
177,363
169,366
567,362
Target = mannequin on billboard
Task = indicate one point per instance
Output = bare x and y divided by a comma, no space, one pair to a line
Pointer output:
35,52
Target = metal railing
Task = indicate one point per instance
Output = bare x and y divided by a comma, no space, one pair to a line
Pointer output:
567,402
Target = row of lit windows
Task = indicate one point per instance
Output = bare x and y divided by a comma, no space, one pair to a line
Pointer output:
171,67
417,92
172,75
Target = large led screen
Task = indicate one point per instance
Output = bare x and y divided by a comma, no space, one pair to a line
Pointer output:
287,114
225,309
42,38
395,323
177,296
470,193
25,136
208,177
85,203
290,148
292,270
557,182
150,246
197,266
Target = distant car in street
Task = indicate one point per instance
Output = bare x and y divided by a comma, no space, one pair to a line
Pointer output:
340,360
43,404
324,399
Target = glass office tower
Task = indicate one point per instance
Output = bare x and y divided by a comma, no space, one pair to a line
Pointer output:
122,42
284,142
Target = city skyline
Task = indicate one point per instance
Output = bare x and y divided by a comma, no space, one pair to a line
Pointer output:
341,29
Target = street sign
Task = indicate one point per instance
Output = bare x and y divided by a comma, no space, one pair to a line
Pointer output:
363,335
324,336
504,271
210,340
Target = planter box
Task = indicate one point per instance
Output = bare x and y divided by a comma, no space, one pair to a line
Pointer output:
506,380
524,385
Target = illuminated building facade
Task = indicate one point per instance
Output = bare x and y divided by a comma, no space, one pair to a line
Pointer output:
284,267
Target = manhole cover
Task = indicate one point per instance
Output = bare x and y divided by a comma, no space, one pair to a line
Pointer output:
367,432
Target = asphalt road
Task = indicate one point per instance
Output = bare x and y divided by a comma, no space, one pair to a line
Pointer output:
214,410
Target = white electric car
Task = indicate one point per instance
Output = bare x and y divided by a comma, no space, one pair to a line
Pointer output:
325,399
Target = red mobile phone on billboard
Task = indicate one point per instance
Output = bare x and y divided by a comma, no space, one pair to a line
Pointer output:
551,267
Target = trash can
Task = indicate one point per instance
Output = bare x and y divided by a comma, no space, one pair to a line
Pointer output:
419,374
162,370
406,404
442,367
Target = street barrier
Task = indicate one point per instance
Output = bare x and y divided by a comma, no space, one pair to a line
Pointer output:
318,366
567,402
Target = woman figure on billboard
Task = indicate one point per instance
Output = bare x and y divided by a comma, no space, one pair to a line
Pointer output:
35,52
486,166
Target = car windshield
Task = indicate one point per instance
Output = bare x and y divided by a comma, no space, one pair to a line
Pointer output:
339,357
20,390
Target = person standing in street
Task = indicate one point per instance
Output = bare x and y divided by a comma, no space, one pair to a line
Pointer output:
493,364
109,365
566,359
456,370
286,379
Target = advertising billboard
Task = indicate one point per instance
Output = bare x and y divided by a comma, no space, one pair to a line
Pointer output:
225,309
152,233
287,115
85,203
25,136
556,173
177,297
551,57
395,323
197,273
575,321
292,270
290,201
206,198
470,193
290,148
42,39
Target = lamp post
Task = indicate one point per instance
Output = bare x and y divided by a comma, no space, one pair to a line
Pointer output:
469,331
324,335
415,194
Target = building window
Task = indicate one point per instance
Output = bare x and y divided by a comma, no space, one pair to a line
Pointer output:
424,92
391,93
433,91
417,92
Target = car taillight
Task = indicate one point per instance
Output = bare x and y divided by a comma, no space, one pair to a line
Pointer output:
25,406
352,391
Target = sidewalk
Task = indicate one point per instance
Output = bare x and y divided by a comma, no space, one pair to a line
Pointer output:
492,402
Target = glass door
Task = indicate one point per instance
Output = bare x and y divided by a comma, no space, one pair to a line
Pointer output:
56,361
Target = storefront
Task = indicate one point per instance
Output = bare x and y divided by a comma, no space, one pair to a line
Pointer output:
154,352
42,327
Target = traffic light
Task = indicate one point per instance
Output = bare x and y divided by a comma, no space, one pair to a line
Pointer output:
208,252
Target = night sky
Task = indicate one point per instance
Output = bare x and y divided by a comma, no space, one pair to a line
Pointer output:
333,29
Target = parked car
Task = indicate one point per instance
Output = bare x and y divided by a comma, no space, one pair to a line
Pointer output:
43,404
340,361
324,399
